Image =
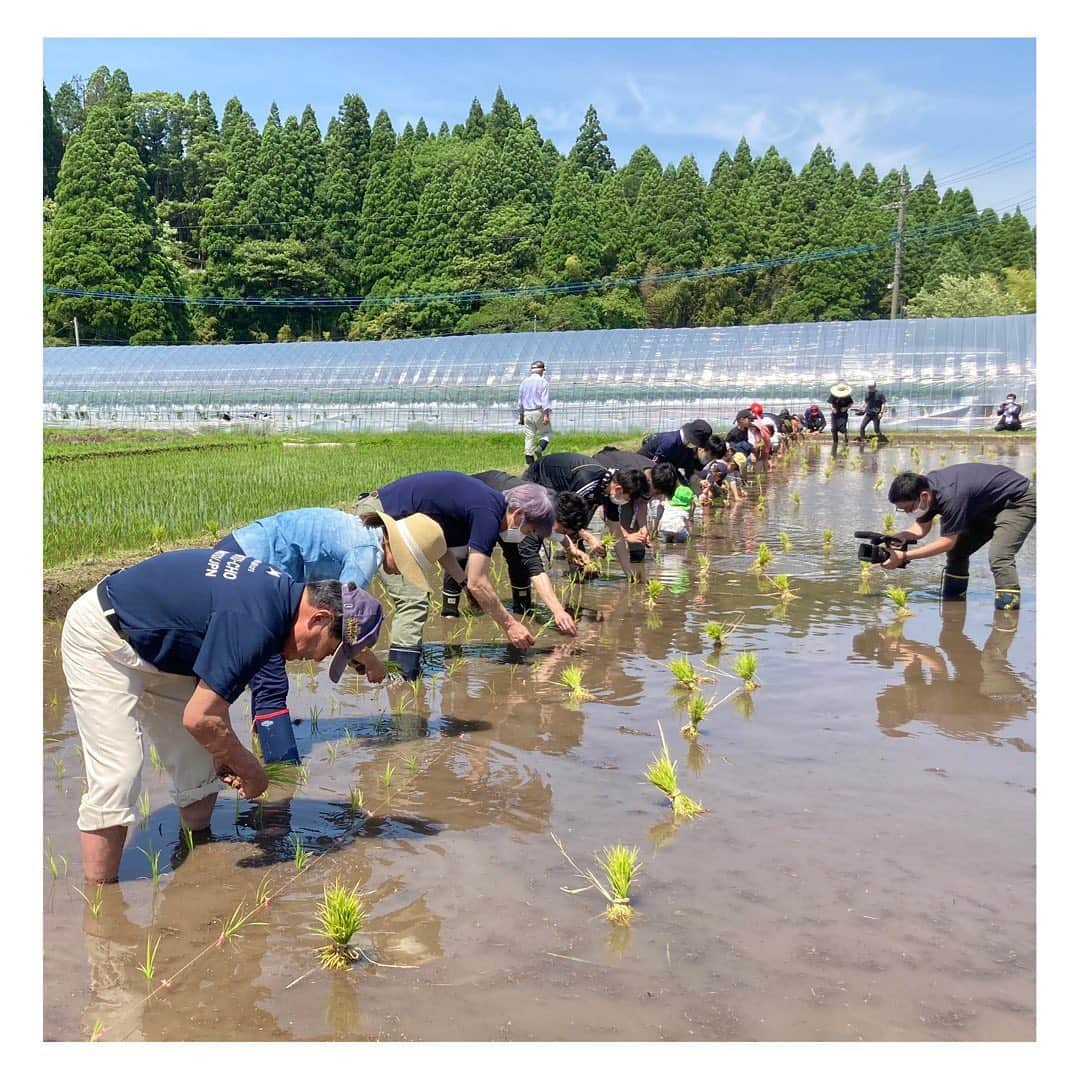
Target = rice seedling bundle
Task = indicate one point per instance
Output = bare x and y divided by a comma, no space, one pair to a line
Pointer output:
745,667
899,597
571,677
683,672
338,917
662,773
653,590
619,864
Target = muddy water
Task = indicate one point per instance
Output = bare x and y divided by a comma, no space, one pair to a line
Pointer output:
865,870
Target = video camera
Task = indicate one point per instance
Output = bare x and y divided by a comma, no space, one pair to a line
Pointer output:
879,546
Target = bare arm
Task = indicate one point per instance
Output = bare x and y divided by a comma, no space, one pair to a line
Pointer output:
621,549
546,591
206,720
450,564
479,584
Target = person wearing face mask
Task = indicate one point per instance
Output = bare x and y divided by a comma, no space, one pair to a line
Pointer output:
680,448
642,514
524,564
978,504
472,517
597,485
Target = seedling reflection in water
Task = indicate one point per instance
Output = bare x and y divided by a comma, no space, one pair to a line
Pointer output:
785,541
338,918
155,759
152,858
571,677
95,904
796,498
662,773
144,807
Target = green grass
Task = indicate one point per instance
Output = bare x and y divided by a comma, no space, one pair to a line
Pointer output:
132,492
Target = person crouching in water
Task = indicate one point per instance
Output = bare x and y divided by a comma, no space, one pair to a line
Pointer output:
677,517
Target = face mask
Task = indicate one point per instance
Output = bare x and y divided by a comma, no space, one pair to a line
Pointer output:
620,500
512,536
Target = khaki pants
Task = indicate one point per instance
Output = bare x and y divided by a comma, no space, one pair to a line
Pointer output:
117,697
410,603
535,430
1005,535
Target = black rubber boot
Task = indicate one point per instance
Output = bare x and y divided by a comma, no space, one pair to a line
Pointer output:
542,448
407,659
1006,599
953,586
522,599
529,459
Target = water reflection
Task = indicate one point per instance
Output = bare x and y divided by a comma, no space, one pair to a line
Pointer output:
962,691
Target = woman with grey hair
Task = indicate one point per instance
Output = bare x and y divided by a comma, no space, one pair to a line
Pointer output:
473,518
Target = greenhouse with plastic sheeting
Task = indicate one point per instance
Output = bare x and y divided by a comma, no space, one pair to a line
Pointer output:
935,373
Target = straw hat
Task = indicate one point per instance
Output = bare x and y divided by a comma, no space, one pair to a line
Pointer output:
841,389
417,543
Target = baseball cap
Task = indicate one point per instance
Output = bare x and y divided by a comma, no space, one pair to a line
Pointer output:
756,409
683,498
361,621
537,365
744,414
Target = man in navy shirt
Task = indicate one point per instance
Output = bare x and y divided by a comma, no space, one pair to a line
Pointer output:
978,504
164,647
473,517
680,448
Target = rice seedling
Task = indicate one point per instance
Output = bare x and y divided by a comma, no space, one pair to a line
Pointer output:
155,759
189,838
782,586
314,719
745,668
212,528
899,597
760,505
879,483
827,538
889,523
282,772
301,856
331,753
718,632
338,917
683,672
571,677
763,558
942,459
412,763
157,537
58,765
262,892
347,738
619,865
653,590
95,904
703,565
785,541
796,498
50,860
231,927
388,775
97,1031
828,472
696,708
144,807
152,857
662,773
356,799
146,968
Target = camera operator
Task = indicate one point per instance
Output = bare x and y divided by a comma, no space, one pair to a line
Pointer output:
978,504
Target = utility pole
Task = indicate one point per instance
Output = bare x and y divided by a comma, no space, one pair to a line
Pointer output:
898,258
75,323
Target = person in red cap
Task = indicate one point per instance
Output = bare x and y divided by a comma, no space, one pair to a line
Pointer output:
756,409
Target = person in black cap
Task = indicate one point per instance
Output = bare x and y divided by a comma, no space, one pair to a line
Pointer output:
873,410
680,448
534,411
162,648
738,438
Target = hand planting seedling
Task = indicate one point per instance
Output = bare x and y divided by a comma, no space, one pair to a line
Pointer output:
662,773
899,597
571,677
745,668
619,865
338,917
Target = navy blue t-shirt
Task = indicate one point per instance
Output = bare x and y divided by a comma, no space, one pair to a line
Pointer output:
215,615
668,446
971,494
470,512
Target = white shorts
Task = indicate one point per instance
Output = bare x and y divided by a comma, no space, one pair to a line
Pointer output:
117,696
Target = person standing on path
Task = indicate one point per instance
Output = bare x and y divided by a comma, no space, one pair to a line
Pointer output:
873,410
978,504
534,411
319,544
162,649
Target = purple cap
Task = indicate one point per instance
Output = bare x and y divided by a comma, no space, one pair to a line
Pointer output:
361,621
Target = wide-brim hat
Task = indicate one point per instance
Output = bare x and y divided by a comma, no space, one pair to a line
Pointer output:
361,621
417,544
841,389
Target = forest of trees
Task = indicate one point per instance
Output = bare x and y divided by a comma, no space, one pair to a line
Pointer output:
149,194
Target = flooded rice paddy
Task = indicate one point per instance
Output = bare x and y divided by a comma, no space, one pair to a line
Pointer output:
865,869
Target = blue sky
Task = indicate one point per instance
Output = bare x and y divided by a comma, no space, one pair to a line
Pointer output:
944,104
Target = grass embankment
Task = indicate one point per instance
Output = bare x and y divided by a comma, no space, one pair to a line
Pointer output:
111,500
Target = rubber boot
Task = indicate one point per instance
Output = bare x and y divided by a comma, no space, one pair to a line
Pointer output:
276,739
451,604
953,586
1006,620
529,460
1006,599
522,599
542,448
407,659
